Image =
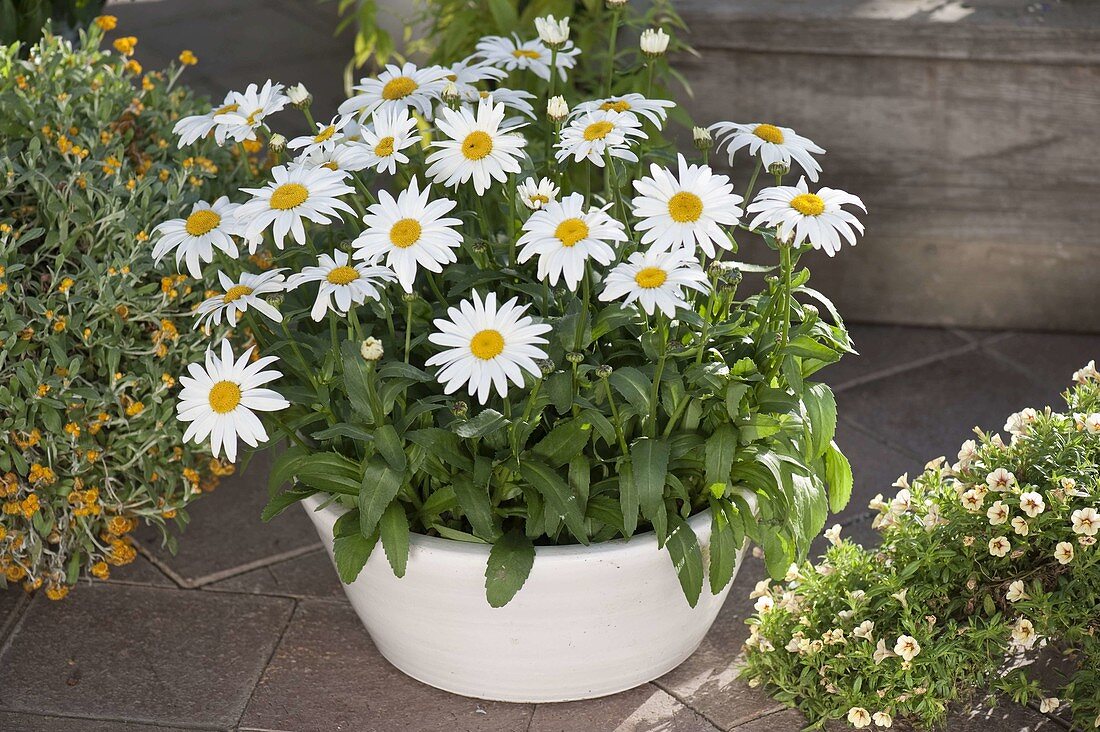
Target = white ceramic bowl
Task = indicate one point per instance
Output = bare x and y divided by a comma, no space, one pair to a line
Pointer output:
590,621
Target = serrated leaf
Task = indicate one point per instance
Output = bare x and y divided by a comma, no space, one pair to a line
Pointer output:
687,559
379,486
723,549
649,460
350,554
394,530
557,494
390,447
284,500
720,449
473,499
510,562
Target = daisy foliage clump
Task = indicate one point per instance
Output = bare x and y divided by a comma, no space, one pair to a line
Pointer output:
517,328
93,335
985,566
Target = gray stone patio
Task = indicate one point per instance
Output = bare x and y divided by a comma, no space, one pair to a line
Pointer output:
247,628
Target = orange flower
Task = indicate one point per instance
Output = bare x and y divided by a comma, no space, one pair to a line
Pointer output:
187,58
125,45
106,22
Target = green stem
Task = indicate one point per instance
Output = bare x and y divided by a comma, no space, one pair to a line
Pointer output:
408,328
611,50
752,182
615,417
662,327
785,307
550,95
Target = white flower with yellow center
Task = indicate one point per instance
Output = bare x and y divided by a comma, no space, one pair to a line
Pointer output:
469,72
326,135
564,236
294,196
197,126
512,54
398,87
411,232
514,99
345,156
390,132
686,209
237,297
589,135
1086,521
341,284
772,144
816,217
221,400
536,194
487,346
654,110
476,148
209,226
250,108
655,280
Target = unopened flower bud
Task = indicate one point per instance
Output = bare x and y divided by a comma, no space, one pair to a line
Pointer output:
277,142
371,349
614,4
299,96
480,247
554,33
275,300
603,372
654,42
546,366
450,93
557,109
778,168
574,357
716,269
701,137
460,408
409,296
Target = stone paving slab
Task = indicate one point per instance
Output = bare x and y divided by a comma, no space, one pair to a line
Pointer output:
310,575
141,654
13,722
643,709
883,348
1049,359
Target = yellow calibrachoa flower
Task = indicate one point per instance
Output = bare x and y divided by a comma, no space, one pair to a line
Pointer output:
106,22
187,58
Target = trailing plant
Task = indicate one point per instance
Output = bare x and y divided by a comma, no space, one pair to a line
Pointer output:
586,303
91,338
982,564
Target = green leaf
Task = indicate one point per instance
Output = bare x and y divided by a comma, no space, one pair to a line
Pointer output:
282,469
557,494
633,386
510,562
486,422
394,529
778,553
821,412
357,376
649,458
721,447
379,486
804,345
838,476
683,548
390,447
723,549
580,477
735,392
328,471
567,439
628,498
473,499
443,444
282,501
559,387
351,553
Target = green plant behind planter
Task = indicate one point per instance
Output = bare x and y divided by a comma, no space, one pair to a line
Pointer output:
91,337
980,561
23,20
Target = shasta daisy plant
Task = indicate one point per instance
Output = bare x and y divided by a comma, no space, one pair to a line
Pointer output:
514,329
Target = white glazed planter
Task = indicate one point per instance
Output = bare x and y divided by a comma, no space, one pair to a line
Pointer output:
589,621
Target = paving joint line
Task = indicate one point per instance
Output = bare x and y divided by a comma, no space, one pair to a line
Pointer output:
687,704
144,722
968,347
1014,365
874,436
274,649
14,621
772,713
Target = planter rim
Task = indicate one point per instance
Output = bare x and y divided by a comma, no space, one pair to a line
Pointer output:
620,547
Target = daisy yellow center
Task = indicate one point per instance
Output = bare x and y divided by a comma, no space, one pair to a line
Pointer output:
477,145
620,106
384,148
325,134
227,108
251,118
539,198
331,165
525,53
289,195
236,292
650,277
808,204
405,233
484,94
571,231
224,397
202,222
343,275
487,344
769,133
598,130
685,207
399,87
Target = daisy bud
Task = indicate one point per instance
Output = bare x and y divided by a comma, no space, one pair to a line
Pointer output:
615,4
654,42
460,408
409,297
371,349
277,142
299,96
603,372
574,357
701,137
779,168
554,33
546,366
450,93
557,109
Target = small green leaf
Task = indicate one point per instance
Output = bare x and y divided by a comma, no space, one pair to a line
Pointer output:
821,412
390,447
357,376
633,386
838,476
735,392
328,471
649,458
379,486
723,549
394,529
628,498
720,449
351,553
557,494
683,548
485,423
567,439
473,499
282,469
510,562
282,501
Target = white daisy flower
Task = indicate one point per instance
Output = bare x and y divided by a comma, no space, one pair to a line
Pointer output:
656,280
587,136
411,232
564,236
237,297
536,194
476,149
686,209
818,217
511,54
771,144
197,126
221,399
469,72
345,156
486,346
390,132
328,135
513,99
209,226
253,105
654,110
294,195
342,284
398,87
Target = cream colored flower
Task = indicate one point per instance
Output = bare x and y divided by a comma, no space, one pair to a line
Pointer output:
999,546
907,647
1000,480
883,719
1063,552
1023,633
1016,591
865,630
998,513
1049,704
1032,503
881,652
793,573
1086,521
972,500
1083,376
763,587
1017,423
764,604
833,534
859,717
967,453
1020,526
